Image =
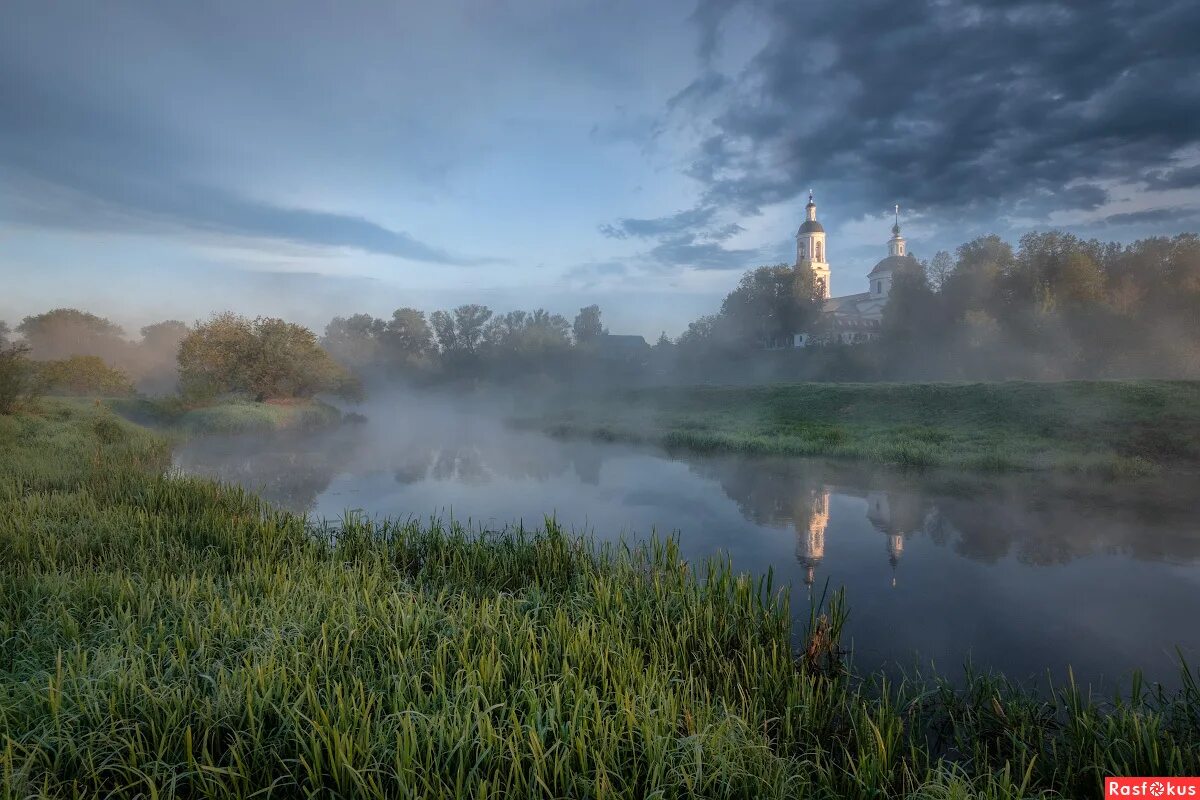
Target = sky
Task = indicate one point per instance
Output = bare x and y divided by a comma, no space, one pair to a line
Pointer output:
312,159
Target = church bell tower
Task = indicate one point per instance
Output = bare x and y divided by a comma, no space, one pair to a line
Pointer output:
810,248
896,243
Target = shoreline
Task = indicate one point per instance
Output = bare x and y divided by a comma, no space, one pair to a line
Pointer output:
1130,428
230,416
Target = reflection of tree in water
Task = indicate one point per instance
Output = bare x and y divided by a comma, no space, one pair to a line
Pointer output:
587,462
288,470
412,470
463,463
1039,520
477,464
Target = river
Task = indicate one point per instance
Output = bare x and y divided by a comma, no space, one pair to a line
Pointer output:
1024,574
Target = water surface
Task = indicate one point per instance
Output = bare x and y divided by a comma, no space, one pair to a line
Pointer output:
1023,574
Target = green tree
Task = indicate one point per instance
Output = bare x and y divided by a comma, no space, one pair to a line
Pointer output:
16,377
469,322
68,332
587,325
771,303
709,336
523,340
158,354
83,376
1182,266
973,283
442,323
4,334
1081,282
354,341
911,314
164,336
407,339
939,269
263,358
460,332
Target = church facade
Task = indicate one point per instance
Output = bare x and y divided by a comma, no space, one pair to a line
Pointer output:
851,318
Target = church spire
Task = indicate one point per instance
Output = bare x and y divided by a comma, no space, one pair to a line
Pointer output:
810,248
896,243
895,549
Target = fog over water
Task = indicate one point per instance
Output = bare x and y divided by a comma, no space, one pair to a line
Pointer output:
1022,573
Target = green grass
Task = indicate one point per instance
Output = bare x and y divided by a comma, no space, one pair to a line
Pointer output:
228,416
1118,428
164,636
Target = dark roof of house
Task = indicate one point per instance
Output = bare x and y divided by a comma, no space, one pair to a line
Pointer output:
810,226
835,304
891,264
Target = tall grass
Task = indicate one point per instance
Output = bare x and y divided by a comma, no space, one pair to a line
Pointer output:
170,637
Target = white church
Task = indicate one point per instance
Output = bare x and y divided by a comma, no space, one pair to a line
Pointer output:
851,318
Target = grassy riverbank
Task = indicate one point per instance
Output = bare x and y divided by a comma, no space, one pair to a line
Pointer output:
229,416
164,636
1111,427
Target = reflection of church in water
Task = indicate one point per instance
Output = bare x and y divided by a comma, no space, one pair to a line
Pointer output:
893,516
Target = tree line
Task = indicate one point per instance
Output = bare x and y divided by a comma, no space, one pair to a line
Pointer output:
468,341
1054,306
69,351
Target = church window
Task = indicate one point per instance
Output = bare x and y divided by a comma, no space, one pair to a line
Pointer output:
878,287
820,252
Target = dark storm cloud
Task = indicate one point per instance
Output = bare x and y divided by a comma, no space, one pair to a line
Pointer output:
589,274
73,159
684,221
689,252
1086,196
953,107
708,16
1151,216
1178,178
723,232
699,90
688,238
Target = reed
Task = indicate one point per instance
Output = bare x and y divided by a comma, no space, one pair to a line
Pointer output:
163,636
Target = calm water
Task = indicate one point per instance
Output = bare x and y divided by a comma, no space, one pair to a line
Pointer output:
1021,574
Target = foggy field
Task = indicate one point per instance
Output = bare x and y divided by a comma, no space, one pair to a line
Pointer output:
1107,427
169,636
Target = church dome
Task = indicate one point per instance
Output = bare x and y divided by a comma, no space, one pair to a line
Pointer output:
891,264
810,226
